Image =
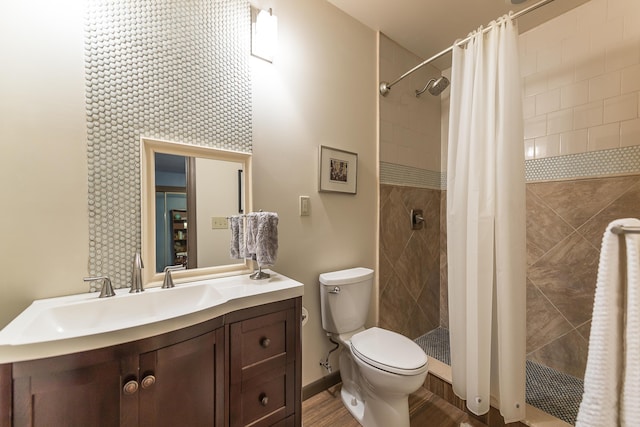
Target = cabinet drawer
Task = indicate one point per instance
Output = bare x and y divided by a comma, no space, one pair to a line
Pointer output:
265,342
266,399
287,422
260,344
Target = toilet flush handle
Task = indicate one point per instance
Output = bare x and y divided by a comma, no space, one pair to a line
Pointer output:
335,290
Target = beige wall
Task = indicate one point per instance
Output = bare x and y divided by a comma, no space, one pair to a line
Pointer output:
43,167
320,90
217,196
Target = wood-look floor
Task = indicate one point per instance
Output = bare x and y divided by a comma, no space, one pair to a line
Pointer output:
425,408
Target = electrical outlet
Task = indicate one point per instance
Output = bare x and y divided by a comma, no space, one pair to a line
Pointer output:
219,222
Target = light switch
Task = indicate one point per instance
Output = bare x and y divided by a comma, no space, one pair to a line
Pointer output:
305,206
219,222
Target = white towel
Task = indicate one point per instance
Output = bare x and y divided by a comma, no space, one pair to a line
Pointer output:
630,407
612,378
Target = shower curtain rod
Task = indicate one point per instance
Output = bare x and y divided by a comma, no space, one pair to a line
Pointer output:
386,87
624,229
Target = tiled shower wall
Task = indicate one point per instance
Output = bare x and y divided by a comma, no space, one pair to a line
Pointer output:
410,165
582,82
565,223
581,77
409,260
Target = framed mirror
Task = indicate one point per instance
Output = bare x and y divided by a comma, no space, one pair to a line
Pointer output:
188,194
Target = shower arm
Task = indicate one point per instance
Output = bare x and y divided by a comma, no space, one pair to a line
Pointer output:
385,87
424,89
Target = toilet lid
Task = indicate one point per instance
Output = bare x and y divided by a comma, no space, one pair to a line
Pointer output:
389,351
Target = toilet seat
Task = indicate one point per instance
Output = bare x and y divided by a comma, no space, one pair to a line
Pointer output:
389,351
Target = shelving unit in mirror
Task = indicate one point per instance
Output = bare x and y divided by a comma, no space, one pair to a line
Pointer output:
179,236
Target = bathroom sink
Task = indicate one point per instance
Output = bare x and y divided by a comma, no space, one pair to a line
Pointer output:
57,319
84,315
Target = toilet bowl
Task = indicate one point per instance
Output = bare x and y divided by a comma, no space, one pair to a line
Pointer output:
379,368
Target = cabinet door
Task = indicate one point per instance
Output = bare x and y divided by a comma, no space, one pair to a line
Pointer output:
179,383
54,394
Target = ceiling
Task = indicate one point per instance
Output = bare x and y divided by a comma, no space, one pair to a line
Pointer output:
427,27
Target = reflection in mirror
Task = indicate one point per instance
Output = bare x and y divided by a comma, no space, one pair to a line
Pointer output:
171,210
188,194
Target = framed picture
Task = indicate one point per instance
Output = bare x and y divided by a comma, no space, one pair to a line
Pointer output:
338,170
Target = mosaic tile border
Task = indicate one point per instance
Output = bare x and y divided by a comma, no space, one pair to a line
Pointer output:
167,69
391,173
617,161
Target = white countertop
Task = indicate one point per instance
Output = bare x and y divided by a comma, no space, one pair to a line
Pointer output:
70,324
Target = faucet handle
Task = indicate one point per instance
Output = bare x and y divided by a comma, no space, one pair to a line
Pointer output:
107,288
168,280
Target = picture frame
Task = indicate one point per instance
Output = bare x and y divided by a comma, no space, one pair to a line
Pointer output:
338,171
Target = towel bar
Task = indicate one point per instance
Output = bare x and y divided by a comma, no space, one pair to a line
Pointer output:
622,229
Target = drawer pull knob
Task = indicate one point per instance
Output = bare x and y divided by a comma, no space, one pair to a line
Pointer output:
148,381
265,342
130,387
264,400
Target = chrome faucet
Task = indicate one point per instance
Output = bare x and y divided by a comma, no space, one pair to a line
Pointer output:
136,274
168,280
106,290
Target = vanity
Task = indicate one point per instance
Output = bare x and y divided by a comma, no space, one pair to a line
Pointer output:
218,349
227,353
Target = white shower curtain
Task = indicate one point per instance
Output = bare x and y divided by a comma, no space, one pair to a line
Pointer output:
486,223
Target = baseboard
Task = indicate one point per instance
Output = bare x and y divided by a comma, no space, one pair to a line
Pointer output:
320,385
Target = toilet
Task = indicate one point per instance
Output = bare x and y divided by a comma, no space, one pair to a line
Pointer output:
379,368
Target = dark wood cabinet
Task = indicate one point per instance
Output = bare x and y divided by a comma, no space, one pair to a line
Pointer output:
239,369
178,383
265,366
173,379
64,395
6,398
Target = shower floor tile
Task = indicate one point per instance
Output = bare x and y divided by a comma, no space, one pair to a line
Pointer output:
553,392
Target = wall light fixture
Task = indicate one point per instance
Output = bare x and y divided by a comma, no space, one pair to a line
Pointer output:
264,34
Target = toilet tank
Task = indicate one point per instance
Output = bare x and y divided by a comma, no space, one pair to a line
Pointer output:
344,299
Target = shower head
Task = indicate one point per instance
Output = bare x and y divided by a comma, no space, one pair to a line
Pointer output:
434,86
